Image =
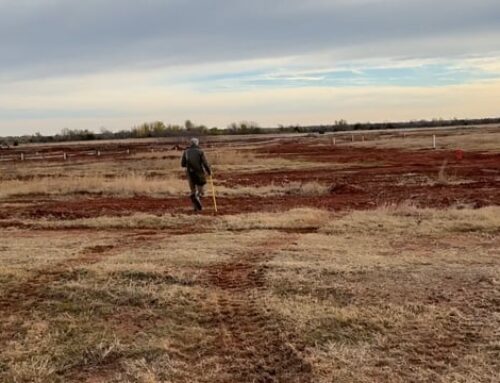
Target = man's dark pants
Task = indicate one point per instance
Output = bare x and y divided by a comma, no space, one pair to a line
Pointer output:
197,190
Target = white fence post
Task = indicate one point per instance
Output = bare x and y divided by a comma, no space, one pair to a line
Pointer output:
65,156
434,141
22,156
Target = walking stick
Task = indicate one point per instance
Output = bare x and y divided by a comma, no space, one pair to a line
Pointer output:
213,193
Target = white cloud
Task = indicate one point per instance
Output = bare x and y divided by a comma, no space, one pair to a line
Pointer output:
119,62
269,107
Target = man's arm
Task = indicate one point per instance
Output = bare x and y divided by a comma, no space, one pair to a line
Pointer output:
205,164
184,160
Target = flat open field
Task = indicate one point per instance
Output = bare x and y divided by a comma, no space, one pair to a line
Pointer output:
333,258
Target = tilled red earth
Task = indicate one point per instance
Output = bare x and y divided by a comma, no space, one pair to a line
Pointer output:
370,178
341,198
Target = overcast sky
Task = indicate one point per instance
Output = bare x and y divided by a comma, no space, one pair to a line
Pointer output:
117,63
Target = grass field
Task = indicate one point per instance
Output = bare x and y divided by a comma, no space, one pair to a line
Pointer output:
375,261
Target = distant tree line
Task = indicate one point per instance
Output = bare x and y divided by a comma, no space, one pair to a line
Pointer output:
160,129
344,126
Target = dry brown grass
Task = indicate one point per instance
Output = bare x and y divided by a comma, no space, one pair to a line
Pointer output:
395,220
138,184
120,186
232,157
398,294
390,294
291,188
487,139
28,175
150,174
247,161
298,219
408,219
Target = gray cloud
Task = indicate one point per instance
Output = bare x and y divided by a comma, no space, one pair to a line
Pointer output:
50,37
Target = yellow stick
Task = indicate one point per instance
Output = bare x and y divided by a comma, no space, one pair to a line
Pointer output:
213,193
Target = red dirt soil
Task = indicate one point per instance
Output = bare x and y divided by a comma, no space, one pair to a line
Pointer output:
374,177
342,197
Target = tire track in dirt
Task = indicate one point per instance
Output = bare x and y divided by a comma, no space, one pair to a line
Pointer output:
252,344
24,295
30,289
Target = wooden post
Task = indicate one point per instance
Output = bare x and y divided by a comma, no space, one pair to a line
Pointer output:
352,137
98,153
22,156
434,141
128,151
363,138
65,156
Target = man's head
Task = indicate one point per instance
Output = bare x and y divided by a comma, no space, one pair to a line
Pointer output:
194,141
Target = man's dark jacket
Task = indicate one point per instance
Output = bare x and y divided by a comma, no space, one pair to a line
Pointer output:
195,162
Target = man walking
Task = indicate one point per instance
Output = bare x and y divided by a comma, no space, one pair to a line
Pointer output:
195,162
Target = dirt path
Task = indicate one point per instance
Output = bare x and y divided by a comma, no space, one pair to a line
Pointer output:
252,343
248,341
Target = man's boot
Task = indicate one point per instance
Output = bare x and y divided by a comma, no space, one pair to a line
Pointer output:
196,202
